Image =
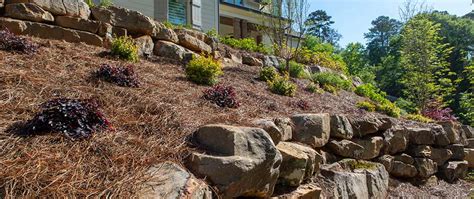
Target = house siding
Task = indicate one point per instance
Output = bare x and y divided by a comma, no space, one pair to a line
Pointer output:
161,10
210,15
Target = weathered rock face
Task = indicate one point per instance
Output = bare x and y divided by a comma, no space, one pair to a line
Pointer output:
452,171
28,11
251,60
74,8
469,157
297,165
468,131
405,158
441,137
341,127
398,168
169,181
46,31
194,44
161,32
145,45
454,132
364,149
135,22
172,51
307,191
278,129
458,151
421,136
395,140
239,161
80,24
271,61
367,181
426,167
311,129
368,125
439,155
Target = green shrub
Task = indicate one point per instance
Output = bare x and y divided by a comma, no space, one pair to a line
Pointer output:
406,105
212,33
314,88
324,79
297,70
90,3
383,104
418,118
124,47
330,88
106,3
203,70
268,73
366,105
168,24
325,59
283,86
248,44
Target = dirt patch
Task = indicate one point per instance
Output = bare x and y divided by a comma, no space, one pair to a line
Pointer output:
460,189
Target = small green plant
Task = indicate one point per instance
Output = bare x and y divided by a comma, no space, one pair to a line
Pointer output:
212,33
326,79
366,105
124,47
168,24
418,118
268,73
203,70
389,108
297,70
90,3
283,86
356,164
330,88
314,88
383,104
106,3
248,44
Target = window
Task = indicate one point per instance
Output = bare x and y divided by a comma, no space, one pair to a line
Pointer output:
177,12
235,2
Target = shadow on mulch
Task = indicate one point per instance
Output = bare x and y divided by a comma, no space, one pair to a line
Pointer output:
20,128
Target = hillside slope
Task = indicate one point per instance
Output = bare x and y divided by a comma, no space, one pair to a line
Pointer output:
150,123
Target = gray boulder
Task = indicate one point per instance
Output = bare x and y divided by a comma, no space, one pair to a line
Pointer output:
28,11
169,181
364,149
173,51
298,163
74,8
341,127
239,161
454,170
469,157
395,140
468,131
279,129
421,136
458,151
426,167
161,32
311,129
145,45
134,21
368,125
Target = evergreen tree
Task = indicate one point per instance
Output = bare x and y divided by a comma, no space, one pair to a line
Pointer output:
319,25
357,64
383,28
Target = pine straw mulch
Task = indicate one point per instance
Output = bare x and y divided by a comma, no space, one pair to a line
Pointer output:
150,123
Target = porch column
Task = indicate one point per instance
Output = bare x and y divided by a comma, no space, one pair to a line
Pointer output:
237,28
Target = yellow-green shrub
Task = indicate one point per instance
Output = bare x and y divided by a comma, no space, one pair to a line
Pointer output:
366,105
324,59
326,79
248,44
297,70
314,88
125,48
268,73
283,86
383,104
418,118
203,70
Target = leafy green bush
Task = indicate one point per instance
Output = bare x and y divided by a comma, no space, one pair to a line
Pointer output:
324,79
268,73
297,70
406,105
383,104
103,3
366,105
283,86
248,44
418,118
203,70
124,47
314,88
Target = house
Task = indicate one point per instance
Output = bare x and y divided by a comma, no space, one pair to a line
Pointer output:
236,18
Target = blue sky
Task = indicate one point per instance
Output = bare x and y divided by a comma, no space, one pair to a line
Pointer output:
353,17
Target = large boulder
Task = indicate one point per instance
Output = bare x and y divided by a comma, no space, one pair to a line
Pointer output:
368,125
28,11
468,131
341,127
193,43
172,51
239,161
145,45
311,129
364,149
134,21
421,136
426,167
46,31
273,61
451,129
357,179
279,129
469,157
454,170
81,24
398,168
169,181
439,155
74,8
306,191
297,165
441,137
251,60
458,151
161,32
395,140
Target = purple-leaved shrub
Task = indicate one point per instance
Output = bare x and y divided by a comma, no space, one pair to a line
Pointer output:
120,75
13,43
223,96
